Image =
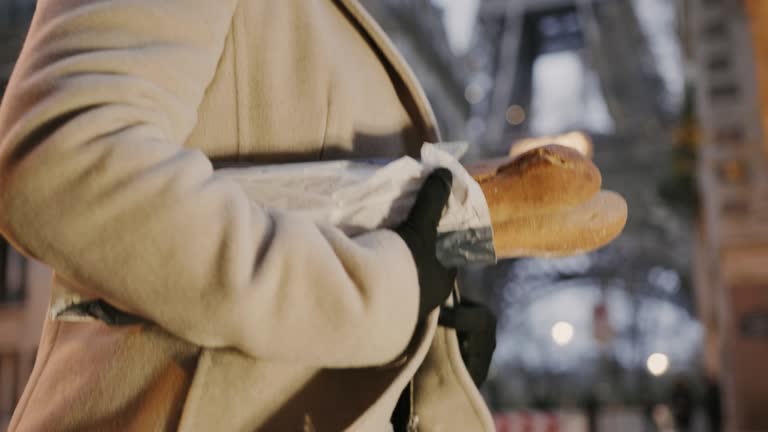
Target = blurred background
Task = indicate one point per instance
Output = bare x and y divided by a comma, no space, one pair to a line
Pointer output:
666,329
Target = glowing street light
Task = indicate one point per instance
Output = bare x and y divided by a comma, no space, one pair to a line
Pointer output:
562,332
657,364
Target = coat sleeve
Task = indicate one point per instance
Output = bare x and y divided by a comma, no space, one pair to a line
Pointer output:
95,181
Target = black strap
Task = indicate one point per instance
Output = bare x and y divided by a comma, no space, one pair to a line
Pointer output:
475,327
402,413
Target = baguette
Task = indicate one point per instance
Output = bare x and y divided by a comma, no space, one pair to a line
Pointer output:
547,202
569,231
542,180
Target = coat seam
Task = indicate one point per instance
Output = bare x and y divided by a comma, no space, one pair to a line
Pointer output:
239,86
326,126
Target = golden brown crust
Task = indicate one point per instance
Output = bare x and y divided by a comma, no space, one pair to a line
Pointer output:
547,202
576,140
487,168
578,229
542,180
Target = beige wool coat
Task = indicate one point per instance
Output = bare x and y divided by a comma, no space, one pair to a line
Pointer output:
115,117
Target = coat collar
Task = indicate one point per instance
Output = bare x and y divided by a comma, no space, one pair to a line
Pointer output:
424,116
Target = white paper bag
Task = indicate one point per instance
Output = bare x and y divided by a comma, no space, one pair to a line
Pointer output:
360,196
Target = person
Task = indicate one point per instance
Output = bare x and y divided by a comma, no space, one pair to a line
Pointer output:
177,304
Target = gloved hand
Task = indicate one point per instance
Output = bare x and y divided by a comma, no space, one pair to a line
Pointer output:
419,231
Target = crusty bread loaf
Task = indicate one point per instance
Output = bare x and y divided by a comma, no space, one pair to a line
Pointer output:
542,180
547,202
576,140
569,231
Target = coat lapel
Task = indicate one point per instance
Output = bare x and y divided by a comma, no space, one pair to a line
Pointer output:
419,108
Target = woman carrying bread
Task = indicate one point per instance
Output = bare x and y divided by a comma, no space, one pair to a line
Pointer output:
176,303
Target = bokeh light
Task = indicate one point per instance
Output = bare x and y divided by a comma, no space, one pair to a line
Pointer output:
562,333
658,364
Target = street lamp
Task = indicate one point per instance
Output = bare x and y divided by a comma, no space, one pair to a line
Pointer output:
562,333
657,364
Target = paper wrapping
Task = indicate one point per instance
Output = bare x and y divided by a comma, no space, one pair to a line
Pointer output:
365,195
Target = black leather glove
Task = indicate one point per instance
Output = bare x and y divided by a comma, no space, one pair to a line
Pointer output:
419,231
